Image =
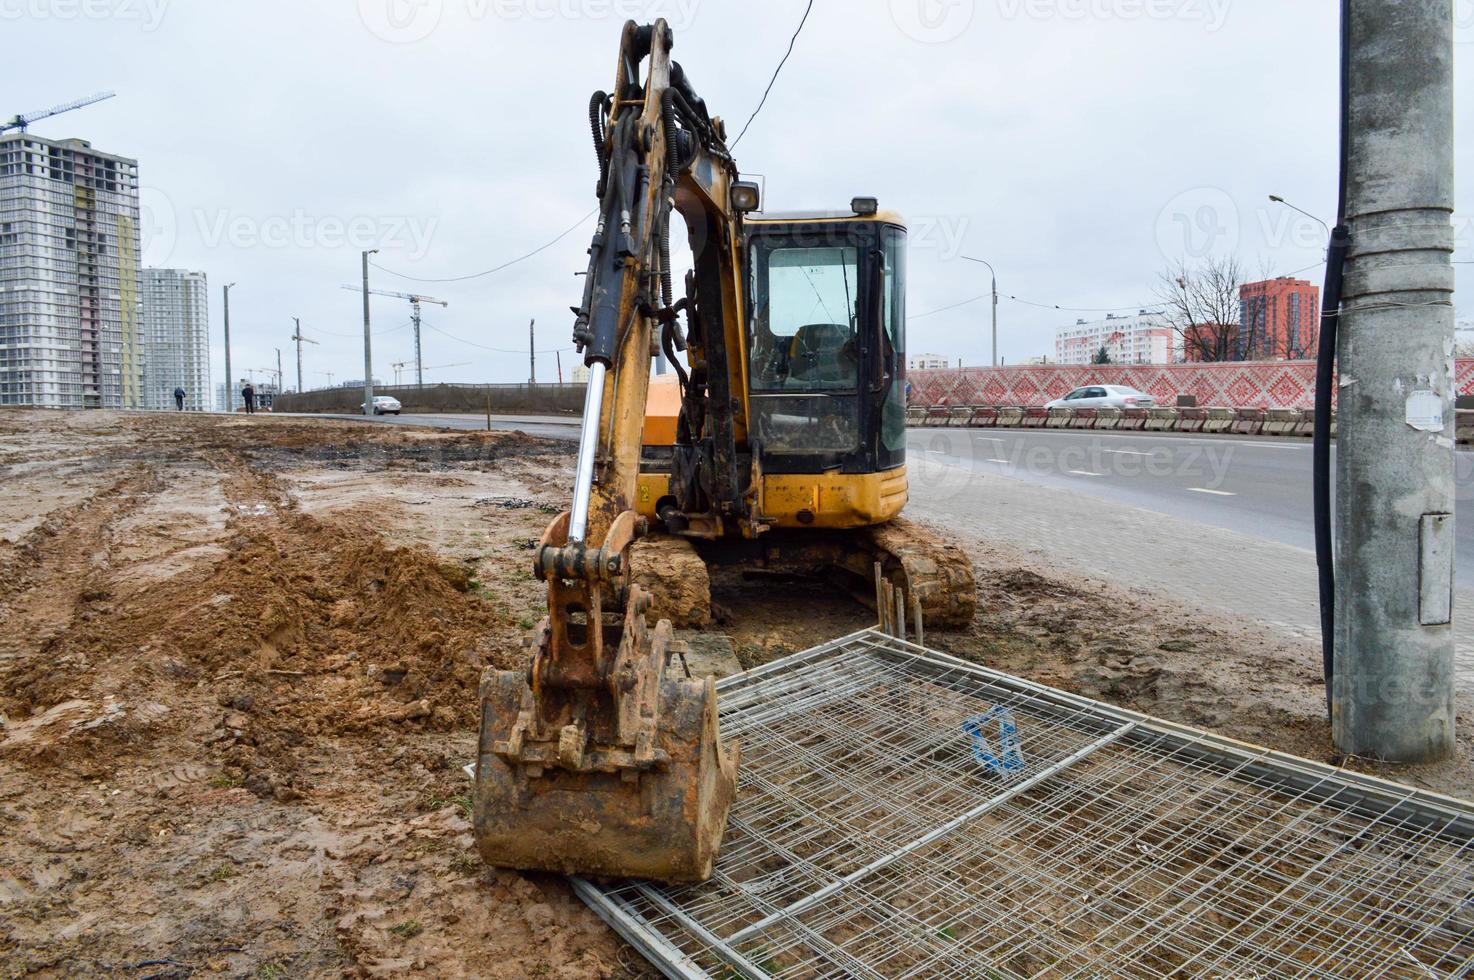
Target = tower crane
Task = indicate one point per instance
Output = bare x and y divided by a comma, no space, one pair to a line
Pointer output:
415,299
24,119
399,366
297,336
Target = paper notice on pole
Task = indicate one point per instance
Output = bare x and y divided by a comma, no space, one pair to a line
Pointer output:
1424,411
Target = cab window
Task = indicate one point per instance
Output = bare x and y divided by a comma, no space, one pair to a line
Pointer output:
803,326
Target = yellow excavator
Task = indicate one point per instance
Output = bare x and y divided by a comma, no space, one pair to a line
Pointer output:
779,444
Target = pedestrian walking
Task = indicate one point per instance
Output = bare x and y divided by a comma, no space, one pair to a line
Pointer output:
179,399
249,394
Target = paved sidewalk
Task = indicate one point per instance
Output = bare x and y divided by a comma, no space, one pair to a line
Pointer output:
1215,569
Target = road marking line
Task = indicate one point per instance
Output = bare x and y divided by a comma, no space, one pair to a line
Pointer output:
1084,473
1217,493
1125,452
997,460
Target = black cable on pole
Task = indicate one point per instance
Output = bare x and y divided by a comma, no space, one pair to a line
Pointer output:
781,63
1325,370
486,272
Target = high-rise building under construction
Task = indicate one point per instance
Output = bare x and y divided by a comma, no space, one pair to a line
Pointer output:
70,306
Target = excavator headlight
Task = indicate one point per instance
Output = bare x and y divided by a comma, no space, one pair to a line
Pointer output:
864,206
744,196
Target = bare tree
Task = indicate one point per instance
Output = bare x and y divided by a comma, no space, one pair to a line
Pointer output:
1201,304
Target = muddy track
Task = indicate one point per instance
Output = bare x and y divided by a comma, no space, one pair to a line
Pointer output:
231,729
51,576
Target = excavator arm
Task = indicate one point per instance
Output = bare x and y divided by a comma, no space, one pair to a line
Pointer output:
601,758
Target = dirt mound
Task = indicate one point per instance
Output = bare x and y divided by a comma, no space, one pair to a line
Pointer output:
303,630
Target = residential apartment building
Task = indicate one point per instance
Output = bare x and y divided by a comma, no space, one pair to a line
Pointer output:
1145,338
926,362
69,277
176,338
1279,320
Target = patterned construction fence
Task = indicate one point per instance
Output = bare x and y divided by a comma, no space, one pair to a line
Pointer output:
1240,384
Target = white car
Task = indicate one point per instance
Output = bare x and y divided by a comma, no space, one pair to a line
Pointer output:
384,405
1104,396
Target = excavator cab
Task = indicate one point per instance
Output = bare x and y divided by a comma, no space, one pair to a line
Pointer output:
824,359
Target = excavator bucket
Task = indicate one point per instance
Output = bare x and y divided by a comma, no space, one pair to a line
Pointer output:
664,823
601,758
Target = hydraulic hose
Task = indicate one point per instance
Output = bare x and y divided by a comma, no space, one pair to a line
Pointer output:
1325,371
596,125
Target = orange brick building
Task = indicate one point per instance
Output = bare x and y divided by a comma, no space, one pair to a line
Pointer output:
1279,320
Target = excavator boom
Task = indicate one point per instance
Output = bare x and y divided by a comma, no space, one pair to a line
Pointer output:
600,758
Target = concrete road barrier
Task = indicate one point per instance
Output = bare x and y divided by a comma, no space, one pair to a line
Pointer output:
1463,425
1217,419
1280,421
961,416
1191,419
1238,421
1247,421
1134,419
1160,419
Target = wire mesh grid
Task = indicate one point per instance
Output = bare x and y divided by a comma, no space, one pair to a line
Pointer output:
904,814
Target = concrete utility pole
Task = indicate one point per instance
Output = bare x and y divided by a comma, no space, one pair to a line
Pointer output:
368,357
278,371
297,336
229,381
994,277
532,352
1392,693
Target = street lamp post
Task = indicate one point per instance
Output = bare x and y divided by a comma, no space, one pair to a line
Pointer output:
1279,200
368,358
229,384
994,276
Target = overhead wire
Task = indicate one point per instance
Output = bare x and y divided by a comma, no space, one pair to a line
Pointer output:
497,268
496,350
803,20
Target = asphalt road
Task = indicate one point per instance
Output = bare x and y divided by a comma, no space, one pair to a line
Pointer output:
1258,486
1252,485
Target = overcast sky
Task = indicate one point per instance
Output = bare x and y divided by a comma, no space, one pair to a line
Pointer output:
1078,145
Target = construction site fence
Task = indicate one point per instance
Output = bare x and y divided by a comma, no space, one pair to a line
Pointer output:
472,399
1288,422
